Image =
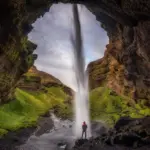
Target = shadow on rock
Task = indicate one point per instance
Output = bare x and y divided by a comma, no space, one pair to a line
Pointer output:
127,134
80,142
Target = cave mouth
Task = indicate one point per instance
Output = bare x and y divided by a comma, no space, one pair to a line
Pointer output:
53,35
53,32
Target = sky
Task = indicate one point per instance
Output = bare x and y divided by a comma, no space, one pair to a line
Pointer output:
52,34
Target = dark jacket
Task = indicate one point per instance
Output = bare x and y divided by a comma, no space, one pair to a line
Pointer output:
84,127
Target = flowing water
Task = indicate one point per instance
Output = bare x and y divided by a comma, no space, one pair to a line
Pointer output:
62,132
81,95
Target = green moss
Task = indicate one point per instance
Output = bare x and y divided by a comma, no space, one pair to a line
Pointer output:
29,60
24,41
25,110
5,80
110,107
3,132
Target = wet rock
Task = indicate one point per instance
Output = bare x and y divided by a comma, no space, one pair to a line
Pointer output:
128,134
19,137
122,122
80,142
47,114
98,128
62,146
13,139
44,126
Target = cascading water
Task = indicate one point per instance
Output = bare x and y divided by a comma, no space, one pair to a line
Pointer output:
81,95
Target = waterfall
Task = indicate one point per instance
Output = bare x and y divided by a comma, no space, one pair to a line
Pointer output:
81,95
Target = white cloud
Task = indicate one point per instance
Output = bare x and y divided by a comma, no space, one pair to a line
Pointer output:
52,35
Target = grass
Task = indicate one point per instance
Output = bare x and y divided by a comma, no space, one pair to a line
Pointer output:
25,110
109,107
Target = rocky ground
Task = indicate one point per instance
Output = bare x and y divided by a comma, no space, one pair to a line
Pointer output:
53,133
19,137
127,134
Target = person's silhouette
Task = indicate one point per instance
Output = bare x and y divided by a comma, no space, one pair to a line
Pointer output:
84,128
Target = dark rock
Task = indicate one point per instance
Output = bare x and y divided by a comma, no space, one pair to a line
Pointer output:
80,142
13,139
19,137
128,134
46,114
62,146
122,122
26,28
35,56
44,126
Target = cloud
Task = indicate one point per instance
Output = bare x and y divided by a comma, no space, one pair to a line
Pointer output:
52,35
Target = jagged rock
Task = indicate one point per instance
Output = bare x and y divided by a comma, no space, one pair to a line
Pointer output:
128,65
80,142
128,134
62,146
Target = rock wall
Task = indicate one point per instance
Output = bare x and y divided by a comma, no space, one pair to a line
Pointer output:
127,25
16,17
130,61
127,58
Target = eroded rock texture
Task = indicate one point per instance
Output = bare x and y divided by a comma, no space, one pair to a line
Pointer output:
127,55
125,67
16,17
127,62
128,134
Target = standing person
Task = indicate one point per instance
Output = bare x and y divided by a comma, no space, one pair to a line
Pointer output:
84,128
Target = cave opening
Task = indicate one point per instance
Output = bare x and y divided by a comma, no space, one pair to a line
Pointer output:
52,34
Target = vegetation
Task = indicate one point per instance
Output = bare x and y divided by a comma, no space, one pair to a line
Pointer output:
28,105
29,60
109,107
25,110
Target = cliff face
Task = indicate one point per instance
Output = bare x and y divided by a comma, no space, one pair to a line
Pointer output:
35,80
126,22
16,17
127,62
130,62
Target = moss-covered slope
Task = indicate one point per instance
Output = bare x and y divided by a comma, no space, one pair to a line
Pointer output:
106,105
34,96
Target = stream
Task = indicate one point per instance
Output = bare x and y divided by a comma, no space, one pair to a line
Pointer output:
61,137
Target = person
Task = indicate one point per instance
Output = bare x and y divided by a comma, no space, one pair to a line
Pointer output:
84,128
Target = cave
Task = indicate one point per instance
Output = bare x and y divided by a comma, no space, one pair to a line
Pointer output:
127,25
124,68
